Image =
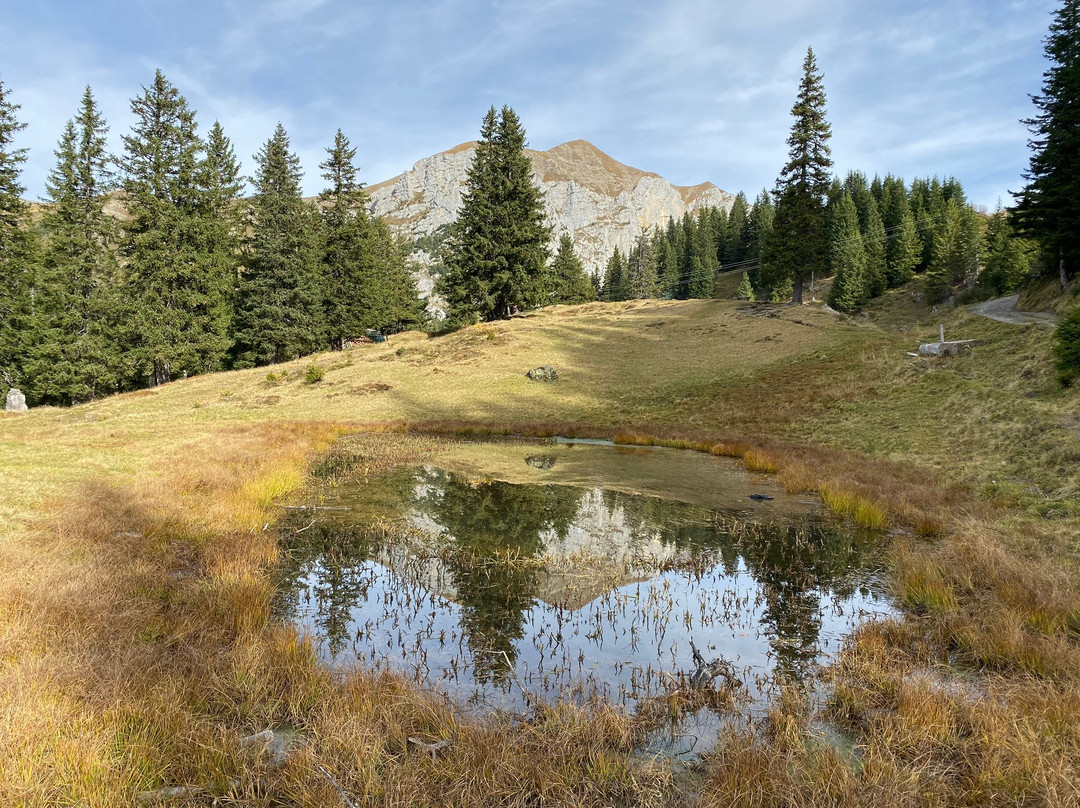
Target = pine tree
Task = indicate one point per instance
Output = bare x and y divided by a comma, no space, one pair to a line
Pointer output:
178,316
746,289
668,267
951,256
903,246
351,285
1007,256
642,278
498,249
759,225
849,288
569,282
614,286
703,264
737,245
223,183
75,356
279,314
796,249
1067,346
17,248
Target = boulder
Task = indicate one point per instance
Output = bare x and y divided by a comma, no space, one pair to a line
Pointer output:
16,401
546,373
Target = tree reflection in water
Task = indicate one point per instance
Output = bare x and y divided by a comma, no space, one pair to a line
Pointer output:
485,591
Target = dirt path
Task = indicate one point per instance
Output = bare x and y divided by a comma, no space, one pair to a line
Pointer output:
1003,309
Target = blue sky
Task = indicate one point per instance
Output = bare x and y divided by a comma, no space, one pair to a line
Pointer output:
691,89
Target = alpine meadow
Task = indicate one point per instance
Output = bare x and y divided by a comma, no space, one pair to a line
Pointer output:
528,477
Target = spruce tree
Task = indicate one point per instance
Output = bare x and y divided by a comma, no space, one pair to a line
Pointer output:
1007,256
642,278
872,230
701,282
614,286
759,225
903,247
223,183
796,250
570,284
736,244
280,309
351,286
951,257
668,268
178,316
17,249
75,355
849,288
746,289
498,249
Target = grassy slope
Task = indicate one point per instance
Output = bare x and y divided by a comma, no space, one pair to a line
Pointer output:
188,471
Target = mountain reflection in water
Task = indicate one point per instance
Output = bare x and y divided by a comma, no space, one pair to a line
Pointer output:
578,592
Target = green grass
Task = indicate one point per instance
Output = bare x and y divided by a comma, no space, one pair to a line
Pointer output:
116,676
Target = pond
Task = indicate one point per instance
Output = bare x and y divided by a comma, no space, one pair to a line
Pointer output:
502,574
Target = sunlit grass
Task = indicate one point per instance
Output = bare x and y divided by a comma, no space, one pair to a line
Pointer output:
137,546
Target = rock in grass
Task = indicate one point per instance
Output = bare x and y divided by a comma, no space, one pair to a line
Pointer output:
16,401
546,373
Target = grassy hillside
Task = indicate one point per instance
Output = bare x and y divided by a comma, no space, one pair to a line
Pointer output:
136,645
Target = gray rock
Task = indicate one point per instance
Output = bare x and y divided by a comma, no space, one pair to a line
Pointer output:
16,401
546,373
543,462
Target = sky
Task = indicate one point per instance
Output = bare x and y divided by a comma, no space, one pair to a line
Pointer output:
693,90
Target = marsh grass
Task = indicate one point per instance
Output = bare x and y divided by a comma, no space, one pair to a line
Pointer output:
137,544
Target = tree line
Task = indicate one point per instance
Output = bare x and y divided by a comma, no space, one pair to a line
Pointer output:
150,265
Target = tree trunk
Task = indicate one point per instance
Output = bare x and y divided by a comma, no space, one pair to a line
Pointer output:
796,292
161,373
1061,268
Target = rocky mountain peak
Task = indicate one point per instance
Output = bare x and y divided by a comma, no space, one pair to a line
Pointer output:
599,201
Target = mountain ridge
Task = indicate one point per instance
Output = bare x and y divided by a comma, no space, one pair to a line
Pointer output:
601,202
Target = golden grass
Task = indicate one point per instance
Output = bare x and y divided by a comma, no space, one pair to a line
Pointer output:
136,645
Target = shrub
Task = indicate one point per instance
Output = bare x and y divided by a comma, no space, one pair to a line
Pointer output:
1067,348
314,374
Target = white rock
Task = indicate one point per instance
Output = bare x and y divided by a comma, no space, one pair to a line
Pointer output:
600,202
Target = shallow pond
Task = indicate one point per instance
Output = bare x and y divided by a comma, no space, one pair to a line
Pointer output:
504,572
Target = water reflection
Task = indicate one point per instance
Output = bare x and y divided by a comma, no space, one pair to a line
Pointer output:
576,592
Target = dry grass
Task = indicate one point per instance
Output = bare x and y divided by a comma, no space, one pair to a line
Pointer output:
136,645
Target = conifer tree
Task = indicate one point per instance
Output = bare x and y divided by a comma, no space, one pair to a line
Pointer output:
17,249
903,246
736,242
951,257
223,183
352,286
614,286
1007,256
569,282
849,288
1049,206
797,247
642,278
498,249
746,289
279,314
759,225
701,282
178,315
668,266
75,356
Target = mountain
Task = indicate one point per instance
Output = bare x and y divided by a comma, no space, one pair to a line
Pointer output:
602,203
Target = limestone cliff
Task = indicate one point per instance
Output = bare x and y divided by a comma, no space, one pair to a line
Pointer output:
602,203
